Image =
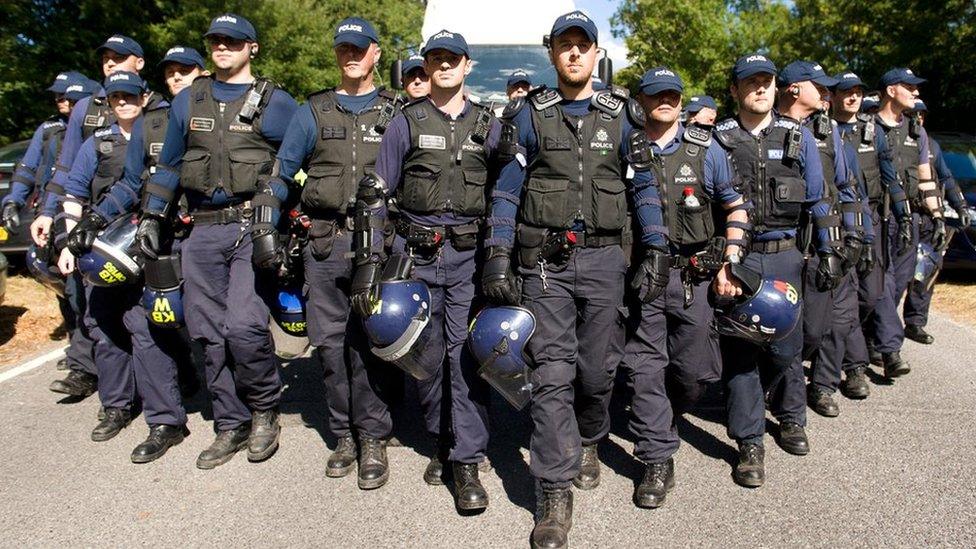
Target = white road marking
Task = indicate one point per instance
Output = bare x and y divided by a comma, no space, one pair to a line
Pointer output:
31,364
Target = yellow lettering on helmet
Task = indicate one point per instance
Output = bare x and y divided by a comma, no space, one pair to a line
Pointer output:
111,274
161,305
294,327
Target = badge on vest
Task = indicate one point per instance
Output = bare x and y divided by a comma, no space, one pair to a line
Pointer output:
557,144
601,142
436,142
370,135
865,148
685,175
910,141
198,124
105,147
93,120
775,154
333,132
241,128
155,148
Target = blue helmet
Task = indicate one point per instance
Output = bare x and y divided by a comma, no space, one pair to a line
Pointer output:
768,311
399,329
163,296
497,338
110,262
289,311
40,264
928,261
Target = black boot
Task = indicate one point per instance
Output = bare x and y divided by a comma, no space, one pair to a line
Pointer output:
918,334
654,487
161,438
343,459
469,494
265,431
894,366
855,385
115,420
62,364
434,473
224,447
750,471
374,469
588,477
793,438
76,383
874,357
555,519
822,402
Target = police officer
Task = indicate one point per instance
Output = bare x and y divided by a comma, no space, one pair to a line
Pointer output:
576,151
803,88
335,137
219,146
778,162
910,153
118,53
919,298
701,110
416,84
674,352
434,161
881,194
33,172
518,85
181,66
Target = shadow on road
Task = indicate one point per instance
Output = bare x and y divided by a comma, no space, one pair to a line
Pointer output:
8,321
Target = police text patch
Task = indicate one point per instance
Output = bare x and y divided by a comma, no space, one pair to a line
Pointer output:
198,124
433,142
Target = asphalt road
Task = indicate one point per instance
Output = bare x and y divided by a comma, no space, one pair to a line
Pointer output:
895,470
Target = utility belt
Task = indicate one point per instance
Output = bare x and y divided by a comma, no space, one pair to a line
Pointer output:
773,246
540,245
338,218
230,214
428,240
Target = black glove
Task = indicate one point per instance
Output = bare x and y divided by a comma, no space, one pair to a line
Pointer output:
829,272
866,263
965,218
81,238
853,248
364,284
651,278
940,240
267,252
147,235
904,235
498,281
11,216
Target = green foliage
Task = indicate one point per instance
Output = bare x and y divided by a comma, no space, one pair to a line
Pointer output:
39,38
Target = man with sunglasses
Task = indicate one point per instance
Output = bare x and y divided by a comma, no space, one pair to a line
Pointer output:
219,148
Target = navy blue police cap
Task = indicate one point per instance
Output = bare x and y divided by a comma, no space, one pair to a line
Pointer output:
412,63
920,106
184,55
700,102
355,31
900,75
125,82
661,79
233,26
81,88
519,75
576,19
848,80
65,79
804,71
122,45
446,40
869,103
750,64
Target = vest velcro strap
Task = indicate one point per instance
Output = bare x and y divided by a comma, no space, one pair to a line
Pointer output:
850,207
931,193
827,222
54,188
159,191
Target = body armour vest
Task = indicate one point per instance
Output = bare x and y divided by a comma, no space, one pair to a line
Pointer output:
444,170
98,115
154,125
577,174
110,151
905,156
345,151
822,129
224,150
679,176
862,137
768,167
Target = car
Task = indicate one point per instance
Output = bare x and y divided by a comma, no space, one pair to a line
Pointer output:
960,155
18,242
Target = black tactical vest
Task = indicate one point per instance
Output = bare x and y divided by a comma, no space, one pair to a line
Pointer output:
822,129
223,150
110,151
154,125
904,155
862,137
680,175
770,178
98,115
577,174
445,170
345,150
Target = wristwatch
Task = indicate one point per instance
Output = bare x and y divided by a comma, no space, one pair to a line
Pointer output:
734,259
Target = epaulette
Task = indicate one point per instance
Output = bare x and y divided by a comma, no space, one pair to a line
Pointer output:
542,98
725,132
698,135
103,132
513,108
727,124
610,101
388,94
787,123
52,124
864,117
